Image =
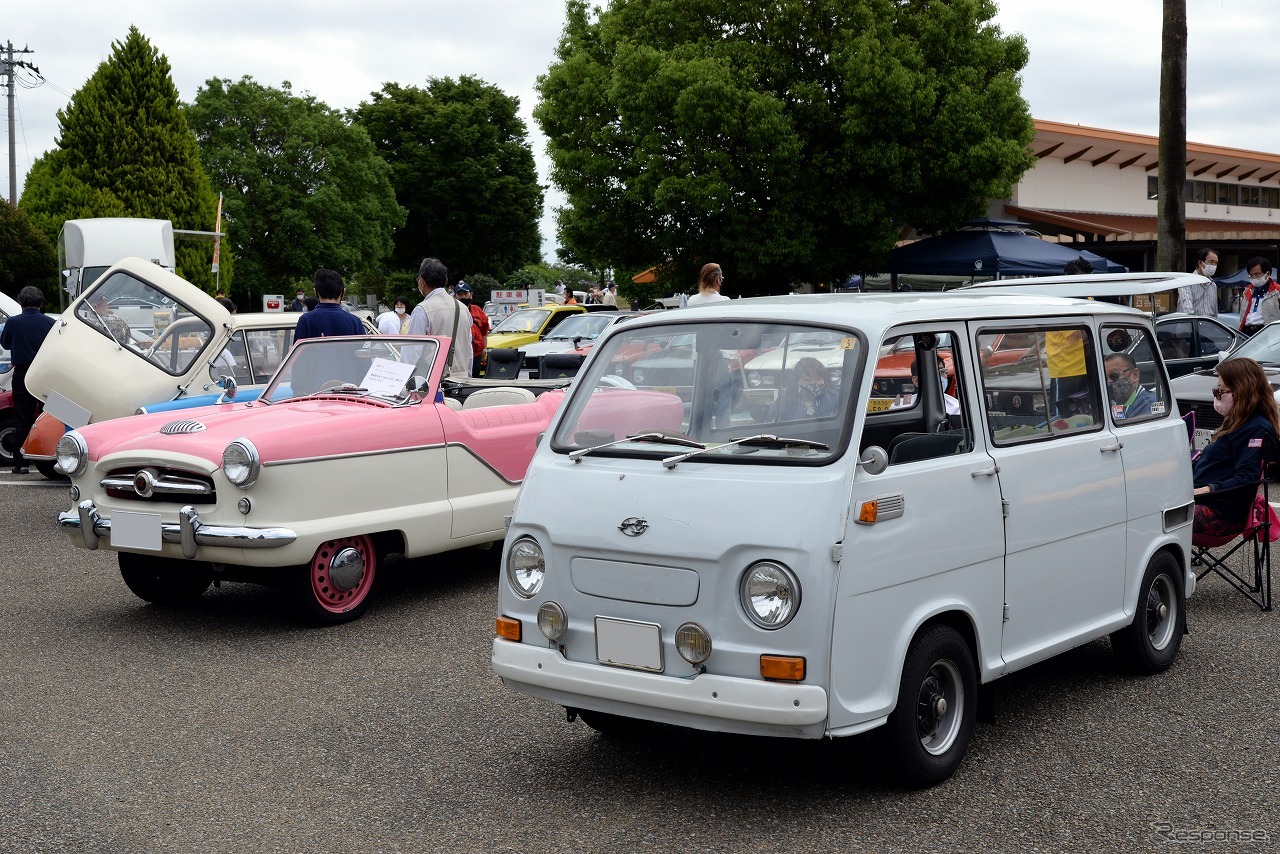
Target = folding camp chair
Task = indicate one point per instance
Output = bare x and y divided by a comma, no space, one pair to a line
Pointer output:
1258,530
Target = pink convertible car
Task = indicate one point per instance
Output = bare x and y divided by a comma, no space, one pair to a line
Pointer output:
356,450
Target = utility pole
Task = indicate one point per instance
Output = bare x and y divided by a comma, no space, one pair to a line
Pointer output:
8,68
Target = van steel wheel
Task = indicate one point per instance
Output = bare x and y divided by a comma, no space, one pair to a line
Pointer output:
163,581
339,581
1150,643
930,728
8,438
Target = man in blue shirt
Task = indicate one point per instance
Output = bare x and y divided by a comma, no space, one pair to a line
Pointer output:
1128,398
329,317
22,336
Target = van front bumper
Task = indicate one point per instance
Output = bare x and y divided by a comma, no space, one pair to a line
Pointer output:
189,531
705,701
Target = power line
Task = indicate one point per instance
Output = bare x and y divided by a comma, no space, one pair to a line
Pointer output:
9,68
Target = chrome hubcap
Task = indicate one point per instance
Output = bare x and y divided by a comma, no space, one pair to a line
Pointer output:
346,569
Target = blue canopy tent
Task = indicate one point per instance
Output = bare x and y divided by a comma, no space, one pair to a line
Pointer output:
990,248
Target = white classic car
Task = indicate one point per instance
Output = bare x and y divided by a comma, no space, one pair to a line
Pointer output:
828,564
354,451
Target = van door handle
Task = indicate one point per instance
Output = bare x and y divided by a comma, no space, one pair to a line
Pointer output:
1105,448
994,470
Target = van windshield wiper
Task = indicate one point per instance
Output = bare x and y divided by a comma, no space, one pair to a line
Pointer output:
651,436
763,440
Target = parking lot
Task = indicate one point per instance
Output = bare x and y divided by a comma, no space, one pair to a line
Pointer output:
229,725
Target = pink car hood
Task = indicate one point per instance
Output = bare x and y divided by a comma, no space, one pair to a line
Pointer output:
502,436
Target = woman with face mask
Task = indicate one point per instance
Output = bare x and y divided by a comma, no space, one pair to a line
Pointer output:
810,394
1233,461
396,321
1261,303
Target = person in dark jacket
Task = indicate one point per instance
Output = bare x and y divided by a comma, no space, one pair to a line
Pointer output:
22,337
328,317
1228,465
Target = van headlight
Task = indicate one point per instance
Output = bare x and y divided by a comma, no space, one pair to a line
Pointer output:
526,567
71,453
770,594
240,462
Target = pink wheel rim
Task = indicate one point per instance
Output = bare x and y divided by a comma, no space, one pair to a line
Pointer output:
328,595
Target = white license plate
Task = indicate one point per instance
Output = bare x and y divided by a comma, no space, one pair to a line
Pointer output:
131,530
622,643
1203,437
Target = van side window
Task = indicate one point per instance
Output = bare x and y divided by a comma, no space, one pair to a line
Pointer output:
918,387
1048,389
1136,389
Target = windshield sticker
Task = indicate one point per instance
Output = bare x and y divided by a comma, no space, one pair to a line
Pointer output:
848,343
879,404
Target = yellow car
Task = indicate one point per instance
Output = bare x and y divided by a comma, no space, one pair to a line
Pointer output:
527,325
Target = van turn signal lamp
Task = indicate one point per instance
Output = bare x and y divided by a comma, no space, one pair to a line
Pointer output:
508,628
870,509
788,668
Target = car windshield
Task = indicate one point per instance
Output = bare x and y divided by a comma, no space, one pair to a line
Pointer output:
584,326
523,320
734,392
146,322
393,369
1263,347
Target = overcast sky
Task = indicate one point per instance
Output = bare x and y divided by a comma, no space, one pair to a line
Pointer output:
1093,62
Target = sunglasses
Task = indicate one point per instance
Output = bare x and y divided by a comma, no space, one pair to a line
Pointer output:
1116,375
1220,393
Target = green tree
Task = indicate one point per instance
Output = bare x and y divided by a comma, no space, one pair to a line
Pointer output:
303,188
27,256
125,149
789,140
463,168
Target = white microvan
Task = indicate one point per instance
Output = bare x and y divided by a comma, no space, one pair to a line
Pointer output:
811,539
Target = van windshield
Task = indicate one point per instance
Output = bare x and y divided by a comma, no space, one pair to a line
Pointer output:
732,391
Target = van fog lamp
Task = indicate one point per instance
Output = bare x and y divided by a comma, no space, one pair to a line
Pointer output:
770,594
71,454
240,462
526,567
693,642
552,621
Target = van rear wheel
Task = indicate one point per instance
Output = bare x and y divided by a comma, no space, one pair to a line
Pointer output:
1151,642
930,728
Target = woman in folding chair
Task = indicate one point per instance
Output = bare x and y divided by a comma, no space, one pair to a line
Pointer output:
1233,461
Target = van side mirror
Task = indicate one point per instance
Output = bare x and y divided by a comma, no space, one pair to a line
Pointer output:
874,460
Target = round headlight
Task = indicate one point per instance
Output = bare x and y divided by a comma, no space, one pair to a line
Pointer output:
770,594
753,378
552,621
637,376
72,454
526,567
240,462
693,642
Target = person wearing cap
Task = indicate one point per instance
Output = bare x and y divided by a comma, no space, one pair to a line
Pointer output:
610,295
479,327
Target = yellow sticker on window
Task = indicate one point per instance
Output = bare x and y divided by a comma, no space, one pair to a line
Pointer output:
879,404
848,343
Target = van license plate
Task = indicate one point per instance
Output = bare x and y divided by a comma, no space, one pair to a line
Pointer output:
623,643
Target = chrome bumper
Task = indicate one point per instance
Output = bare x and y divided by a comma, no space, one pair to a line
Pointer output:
189,531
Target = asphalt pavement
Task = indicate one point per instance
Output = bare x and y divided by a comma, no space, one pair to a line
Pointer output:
230,725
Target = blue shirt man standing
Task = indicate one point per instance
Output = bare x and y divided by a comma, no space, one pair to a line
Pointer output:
329,317
22,336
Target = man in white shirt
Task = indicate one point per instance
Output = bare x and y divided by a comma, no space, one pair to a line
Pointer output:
1202,298
441,314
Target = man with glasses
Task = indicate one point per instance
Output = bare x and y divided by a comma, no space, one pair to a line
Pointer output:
1261,303
1128,398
